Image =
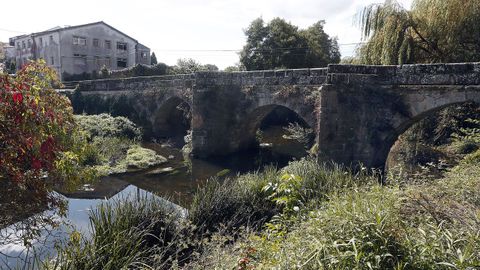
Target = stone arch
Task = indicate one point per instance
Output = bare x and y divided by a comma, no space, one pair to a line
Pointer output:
359,123
172,118
272,113
421,106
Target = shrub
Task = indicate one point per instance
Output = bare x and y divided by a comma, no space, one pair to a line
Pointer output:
233,203
105,125
142,158
130,233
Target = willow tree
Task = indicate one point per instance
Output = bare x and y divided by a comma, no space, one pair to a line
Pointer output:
432,31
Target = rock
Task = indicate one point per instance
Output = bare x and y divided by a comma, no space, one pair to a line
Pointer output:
160,171
223,172
266,145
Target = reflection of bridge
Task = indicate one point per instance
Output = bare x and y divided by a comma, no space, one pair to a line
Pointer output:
357,111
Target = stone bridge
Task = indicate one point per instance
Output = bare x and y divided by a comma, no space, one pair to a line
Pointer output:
357,112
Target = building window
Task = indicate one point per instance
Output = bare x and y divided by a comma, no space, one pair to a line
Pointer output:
108,62
52,61
108,44
80,59
81,41
121,62
51,39
41,42
95,42
144,55
121,46
29,42
96,60
18,45
23,44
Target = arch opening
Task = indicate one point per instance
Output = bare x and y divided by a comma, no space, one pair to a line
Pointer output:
424,147
172,121
279,133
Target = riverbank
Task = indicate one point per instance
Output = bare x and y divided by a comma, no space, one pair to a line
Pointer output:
306,215
114,145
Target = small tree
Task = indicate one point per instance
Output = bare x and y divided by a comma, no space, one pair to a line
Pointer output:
189,65
104,73
38,138
153,60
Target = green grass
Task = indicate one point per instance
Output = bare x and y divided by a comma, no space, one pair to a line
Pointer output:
429,226
345,220
131,233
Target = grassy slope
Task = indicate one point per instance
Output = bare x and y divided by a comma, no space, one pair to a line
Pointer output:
327,218
430,226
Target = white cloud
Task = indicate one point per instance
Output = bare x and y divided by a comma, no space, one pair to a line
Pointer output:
168,25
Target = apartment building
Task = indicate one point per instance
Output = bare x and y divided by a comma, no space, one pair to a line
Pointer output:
81,49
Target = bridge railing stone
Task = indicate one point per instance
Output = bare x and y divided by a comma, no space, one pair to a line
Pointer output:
418,74
137,83
263,77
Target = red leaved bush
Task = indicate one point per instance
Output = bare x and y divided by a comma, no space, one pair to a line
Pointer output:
36,129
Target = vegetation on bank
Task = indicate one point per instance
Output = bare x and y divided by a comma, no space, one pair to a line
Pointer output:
308,215
432,226
304,216
114,145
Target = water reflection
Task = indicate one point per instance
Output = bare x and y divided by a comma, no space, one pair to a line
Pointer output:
176,181
16,253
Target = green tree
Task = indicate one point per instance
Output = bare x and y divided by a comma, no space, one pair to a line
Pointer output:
432,31
236,67
153,60
189,65
280,44
322,49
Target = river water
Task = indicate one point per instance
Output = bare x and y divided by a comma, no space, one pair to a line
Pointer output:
176,184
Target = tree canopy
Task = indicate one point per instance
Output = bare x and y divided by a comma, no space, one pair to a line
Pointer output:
432,31
279,44
188,65
153,60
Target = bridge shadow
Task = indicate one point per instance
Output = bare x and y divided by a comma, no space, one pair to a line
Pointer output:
428,144
172,121
271,127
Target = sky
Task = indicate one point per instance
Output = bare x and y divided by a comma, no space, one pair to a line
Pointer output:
209,31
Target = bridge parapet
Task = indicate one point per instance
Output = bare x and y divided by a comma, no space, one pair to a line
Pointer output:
138,83
418,74
263,77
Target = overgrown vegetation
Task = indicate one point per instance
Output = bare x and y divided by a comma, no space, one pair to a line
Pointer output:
304,216
220,210
426,226
114,145
436,143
